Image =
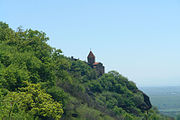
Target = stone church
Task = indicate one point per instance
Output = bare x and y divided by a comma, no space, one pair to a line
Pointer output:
98,66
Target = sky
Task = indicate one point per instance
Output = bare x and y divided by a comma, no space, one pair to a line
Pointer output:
138,38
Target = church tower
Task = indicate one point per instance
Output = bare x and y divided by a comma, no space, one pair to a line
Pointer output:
98,66
91,58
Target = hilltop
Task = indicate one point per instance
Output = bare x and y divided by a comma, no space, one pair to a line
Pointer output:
39,82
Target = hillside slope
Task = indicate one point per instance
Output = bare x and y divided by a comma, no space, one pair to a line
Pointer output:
38,82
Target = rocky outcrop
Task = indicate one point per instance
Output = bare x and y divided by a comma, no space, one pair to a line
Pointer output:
147,104
147,101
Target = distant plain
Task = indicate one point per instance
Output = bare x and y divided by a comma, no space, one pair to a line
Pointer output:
166,99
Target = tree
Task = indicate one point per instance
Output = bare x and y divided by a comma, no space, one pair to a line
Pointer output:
12,77
33,101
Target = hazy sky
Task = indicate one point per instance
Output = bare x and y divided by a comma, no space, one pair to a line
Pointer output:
138,38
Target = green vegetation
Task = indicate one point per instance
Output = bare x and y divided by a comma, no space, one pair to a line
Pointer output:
38,82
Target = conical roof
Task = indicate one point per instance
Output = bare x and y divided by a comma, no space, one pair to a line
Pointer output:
91,54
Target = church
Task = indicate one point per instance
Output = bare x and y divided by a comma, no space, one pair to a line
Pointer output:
98,66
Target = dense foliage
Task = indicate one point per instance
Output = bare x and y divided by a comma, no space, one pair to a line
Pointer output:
38,82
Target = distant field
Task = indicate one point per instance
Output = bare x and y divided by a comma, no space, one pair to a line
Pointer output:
167,99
